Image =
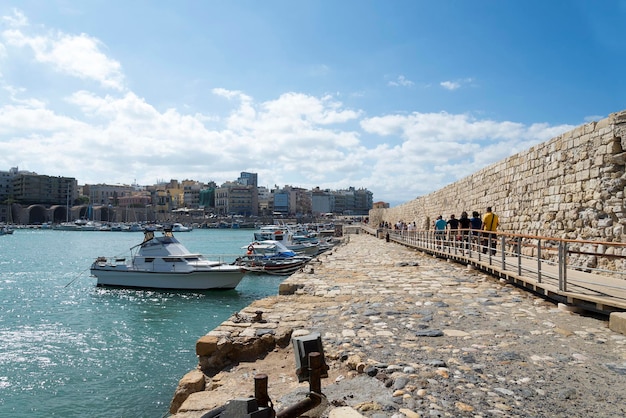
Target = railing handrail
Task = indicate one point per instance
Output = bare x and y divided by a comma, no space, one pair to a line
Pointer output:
509,234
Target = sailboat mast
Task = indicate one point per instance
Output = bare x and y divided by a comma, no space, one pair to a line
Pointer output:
67,204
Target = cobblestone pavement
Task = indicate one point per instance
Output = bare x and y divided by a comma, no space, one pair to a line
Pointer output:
410,335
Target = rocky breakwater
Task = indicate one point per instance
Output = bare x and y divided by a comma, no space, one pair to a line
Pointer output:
409,335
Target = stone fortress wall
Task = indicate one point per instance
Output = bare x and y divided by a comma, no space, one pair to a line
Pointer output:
571,186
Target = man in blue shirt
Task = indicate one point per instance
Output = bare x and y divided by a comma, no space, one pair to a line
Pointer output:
440,228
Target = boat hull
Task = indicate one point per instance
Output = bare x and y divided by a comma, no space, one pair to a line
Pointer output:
281,267
196,280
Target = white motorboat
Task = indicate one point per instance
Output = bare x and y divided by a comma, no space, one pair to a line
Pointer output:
164,263
178,227
286,236
272,257
270,232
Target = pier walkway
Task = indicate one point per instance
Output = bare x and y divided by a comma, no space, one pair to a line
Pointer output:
584,274
407,334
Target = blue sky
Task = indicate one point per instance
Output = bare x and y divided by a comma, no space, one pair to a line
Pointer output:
400,97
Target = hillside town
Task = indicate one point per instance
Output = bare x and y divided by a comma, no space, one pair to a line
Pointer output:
35,199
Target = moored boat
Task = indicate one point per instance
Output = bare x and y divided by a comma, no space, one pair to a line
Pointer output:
300,243
6,230
270,232
164,263
272,257
178,227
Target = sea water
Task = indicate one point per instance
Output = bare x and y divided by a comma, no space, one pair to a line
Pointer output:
71,349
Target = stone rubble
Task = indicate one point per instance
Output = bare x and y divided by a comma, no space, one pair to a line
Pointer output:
410,335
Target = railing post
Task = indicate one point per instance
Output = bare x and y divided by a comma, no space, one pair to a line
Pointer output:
502,251
565,250
539,261
560,258
518,245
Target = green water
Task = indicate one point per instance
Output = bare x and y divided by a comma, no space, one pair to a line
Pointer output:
70,349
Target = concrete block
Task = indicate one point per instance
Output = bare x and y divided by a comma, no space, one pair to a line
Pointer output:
617,322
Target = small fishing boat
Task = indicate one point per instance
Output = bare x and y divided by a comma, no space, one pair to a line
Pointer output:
164,263
272,257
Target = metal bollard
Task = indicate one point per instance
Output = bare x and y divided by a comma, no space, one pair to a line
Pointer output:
260,390
317,368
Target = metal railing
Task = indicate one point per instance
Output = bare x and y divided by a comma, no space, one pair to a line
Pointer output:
588,273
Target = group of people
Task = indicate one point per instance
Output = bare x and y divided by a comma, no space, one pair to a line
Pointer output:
479,228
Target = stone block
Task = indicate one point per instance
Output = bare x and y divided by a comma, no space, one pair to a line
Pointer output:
289,288
206,345
190,383
617,322
344,412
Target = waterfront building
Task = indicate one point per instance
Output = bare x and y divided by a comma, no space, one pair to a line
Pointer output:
266,201
363,201
136,200
292,201
106,194
235,199
191,194
241,197
248,179
161,200
322,201
353,201
206,198
32,188
6,183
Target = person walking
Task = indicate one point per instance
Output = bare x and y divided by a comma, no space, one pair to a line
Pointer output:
465,224
476,225
490,224
440,229
453,226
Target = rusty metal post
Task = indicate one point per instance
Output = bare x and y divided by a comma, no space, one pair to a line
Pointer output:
311,401
317,368
260,390
315,378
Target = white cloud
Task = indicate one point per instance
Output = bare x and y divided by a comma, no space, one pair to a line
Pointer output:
79,56
16,20
401,81
593,118
450,85
457,84
434,149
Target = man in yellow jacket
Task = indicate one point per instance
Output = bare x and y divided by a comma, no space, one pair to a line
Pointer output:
490,224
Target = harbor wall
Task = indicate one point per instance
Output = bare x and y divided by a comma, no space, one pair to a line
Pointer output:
570,187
